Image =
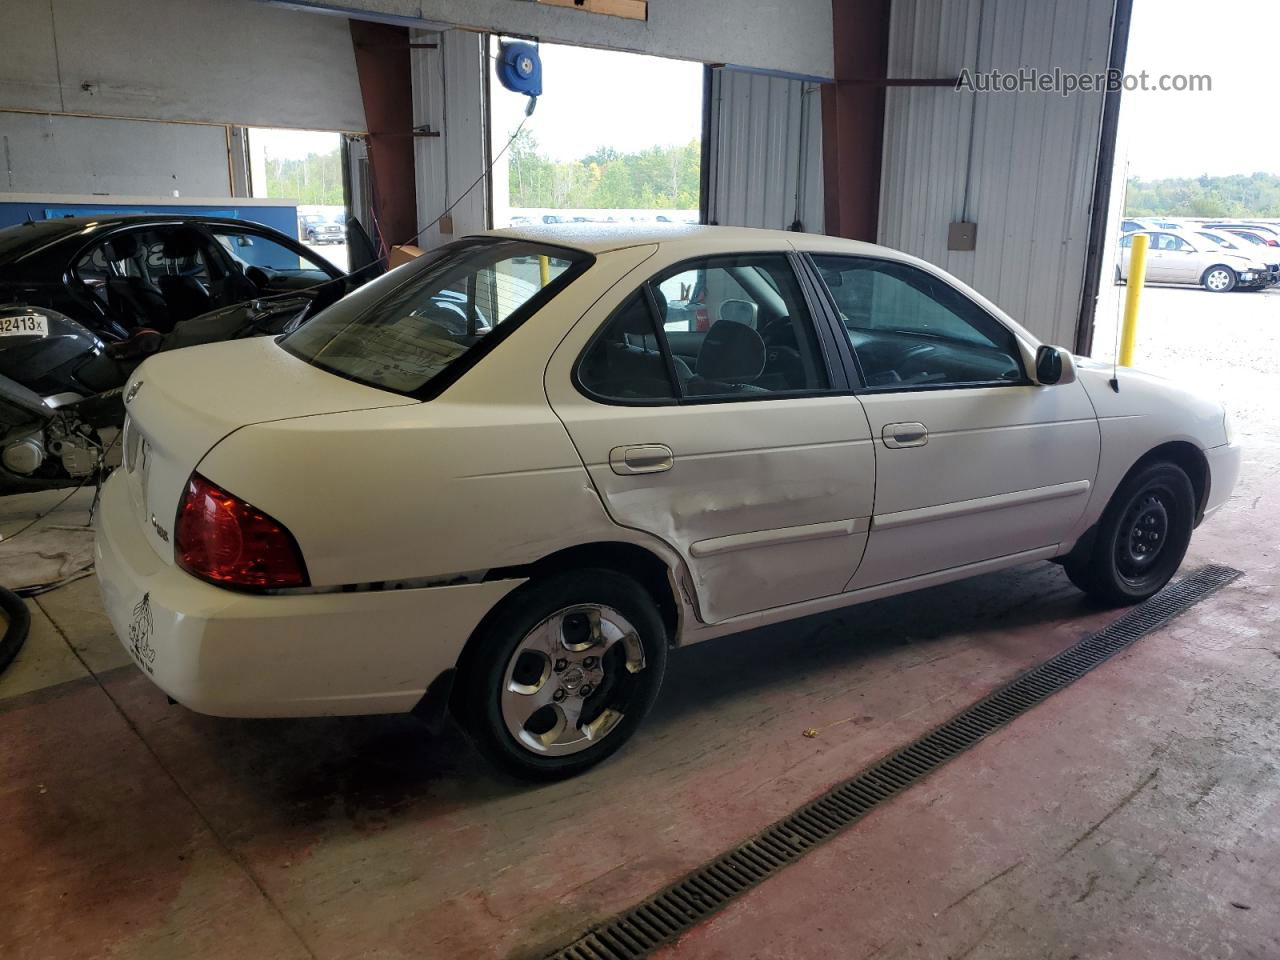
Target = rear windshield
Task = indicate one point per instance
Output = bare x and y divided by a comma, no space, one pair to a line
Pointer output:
432,319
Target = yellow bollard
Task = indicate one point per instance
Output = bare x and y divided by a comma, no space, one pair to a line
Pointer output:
544,269
1133,297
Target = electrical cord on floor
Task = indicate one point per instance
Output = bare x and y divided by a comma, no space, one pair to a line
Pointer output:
42,516
36,589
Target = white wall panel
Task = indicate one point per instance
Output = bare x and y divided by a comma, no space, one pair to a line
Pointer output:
42,153
1020,165
787,36
448,94
213,61
765,153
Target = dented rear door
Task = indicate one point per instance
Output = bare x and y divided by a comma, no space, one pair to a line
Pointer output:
767,500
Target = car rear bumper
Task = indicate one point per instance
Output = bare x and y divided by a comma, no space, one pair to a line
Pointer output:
1224,471
233,654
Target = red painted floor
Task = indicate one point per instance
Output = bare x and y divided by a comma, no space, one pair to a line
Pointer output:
1123,818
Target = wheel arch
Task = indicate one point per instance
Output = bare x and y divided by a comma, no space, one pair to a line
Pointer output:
655,575
639,563
1182,453
1190,458
1235,274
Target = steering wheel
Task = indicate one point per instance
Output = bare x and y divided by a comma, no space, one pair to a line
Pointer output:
258,277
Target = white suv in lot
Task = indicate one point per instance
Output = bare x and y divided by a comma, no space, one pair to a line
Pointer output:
504,479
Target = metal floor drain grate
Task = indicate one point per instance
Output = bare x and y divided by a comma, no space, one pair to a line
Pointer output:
639,931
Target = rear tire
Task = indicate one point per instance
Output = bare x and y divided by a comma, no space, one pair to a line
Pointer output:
563,673
1219,279
1141,539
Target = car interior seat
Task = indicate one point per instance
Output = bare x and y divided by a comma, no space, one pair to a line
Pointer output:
133,297
184,294
731,358
627,362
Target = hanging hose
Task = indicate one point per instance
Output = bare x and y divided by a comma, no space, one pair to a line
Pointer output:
18,624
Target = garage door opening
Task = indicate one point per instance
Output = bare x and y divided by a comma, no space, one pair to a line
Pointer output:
616,137
305,166
1197,172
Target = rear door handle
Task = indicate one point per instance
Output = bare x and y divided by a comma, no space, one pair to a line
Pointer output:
641,458
899,435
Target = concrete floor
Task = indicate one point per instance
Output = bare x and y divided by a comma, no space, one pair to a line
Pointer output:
1136,814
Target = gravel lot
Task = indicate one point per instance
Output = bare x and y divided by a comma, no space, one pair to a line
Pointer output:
1226,343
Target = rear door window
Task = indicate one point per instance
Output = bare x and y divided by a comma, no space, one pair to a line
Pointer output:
730,327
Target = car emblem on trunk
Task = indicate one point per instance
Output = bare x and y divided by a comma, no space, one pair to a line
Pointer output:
133,390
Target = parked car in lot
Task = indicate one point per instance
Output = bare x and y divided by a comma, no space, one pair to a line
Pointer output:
390,512
1251,237
1181,257
318,229
1271,235
1133,224
1230,241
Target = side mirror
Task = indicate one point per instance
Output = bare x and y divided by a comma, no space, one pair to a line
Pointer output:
1054,365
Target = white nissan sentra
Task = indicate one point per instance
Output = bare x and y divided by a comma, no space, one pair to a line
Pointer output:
507,477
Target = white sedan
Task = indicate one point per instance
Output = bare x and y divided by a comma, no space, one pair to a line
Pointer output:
507,477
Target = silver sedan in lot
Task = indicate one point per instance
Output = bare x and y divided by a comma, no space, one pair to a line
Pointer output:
1186,257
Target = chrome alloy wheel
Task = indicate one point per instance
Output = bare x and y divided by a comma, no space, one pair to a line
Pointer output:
567,685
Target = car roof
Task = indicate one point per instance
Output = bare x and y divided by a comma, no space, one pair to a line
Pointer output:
604,237
35,236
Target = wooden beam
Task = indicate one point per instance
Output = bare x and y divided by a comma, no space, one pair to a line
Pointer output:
627,9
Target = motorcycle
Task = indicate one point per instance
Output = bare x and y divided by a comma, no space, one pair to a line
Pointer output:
61,385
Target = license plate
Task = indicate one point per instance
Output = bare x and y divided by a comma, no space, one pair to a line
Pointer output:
25,325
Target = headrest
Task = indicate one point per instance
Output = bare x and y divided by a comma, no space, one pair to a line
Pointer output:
123,247
732,353
634,318
661,301
181,244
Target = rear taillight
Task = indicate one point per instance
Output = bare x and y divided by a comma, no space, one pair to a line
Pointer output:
220,538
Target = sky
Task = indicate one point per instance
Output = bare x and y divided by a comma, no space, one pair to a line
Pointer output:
294,144
1229,130
599,98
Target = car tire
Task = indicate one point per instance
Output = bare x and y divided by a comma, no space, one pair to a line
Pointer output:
1141,539
536,646
1219,279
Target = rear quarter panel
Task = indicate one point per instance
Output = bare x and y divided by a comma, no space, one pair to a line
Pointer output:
483,476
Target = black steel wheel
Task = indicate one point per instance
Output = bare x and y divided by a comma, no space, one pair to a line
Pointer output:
1141,539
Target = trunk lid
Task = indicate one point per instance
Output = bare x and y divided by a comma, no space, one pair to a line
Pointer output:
181,404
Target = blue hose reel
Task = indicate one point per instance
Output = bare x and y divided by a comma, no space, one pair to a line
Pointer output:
520,70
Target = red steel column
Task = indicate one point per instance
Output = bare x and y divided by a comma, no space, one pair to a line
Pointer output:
386,87
853,118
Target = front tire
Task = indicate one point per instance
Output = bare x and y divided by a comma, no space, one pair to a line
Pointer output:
562,675
1219,279
1141,539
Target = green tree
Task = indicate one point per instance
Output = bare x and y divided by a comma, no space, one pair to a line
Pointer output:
656,177
315,179
1239,195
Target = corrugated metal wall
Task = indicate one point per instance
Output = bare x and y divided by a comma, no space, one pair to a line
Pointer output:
764,152
448,95
1020,165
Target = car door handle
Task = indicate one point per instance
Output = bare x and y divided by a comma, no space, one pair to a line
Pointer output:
641,458
899,435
